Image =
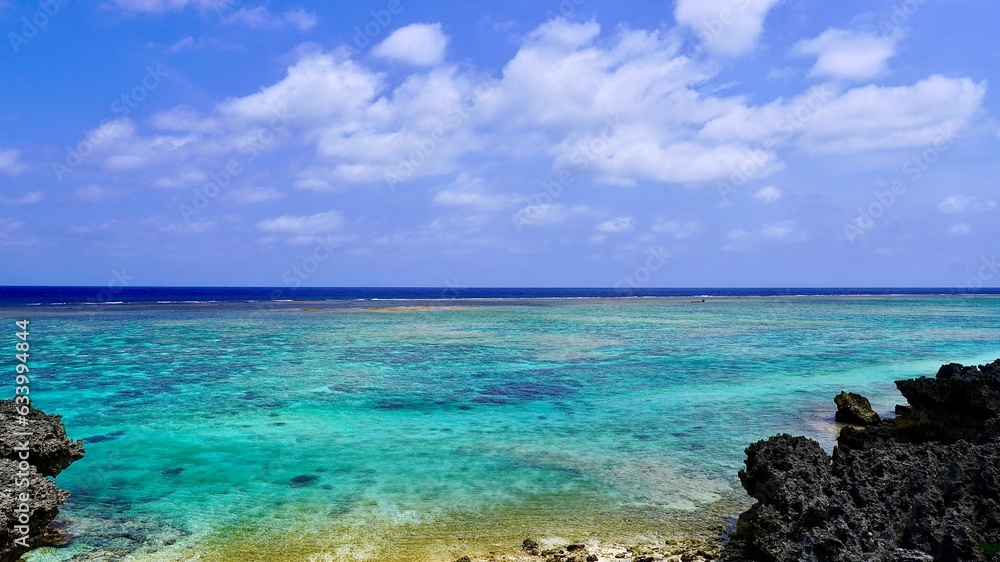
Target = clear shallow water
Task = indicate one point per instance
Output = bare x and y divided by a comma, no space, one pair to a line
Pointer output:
254,433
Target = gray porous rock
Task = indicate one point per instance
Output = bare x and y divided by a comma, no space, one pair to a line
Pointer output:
31,452
924,486
50,451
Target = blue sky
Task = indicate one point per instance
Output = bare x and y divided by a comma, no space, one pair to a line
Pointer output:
581,143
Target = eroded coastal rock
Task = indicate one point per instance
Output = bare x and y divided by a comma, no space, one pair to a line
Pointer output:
50,450
922,487
30,500
856,409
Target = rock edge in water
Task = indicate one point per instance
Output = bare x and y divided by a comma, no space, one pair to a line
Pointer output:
922,487
27,489
856,409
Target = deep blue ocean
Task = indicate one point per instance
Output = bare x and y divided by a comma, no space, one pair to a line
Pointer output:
31,295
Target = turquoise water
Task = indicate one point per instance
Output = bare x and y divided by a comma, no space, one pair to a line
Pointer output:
232,432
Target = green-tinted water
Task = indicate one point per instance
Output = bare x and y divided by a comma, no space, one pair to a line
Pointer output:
225,432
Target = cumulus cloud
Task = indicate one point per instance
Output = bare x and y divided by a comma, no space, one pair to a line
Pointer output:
848,54
873,117
422,44
620,224
631,108
860,119
768,194
726,27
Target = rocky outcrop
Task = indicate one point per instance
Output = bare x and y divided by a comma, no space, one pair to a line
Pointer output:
30,452
856,409
49,450
922,487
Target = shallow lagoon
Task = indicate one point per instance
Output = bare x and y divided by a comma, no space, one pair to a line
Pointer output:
240,431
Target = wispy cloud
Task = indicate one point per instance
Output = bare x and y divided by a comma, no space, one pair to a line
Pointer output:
303,225
954,204
260,17
29,198
787,231
10,162
768,194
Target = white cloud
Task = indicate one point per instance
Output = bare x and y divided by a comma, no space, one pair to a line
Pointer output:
163,6
422,44
29,198
190,227
251,195
725,27
677,229
768,194
190,42
300,226
10,162
632,108
473,195
782,231
873,117
959,229
184,177
300,19
961,203
259,17
861,119
546,213
94,193
620,224
848,54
